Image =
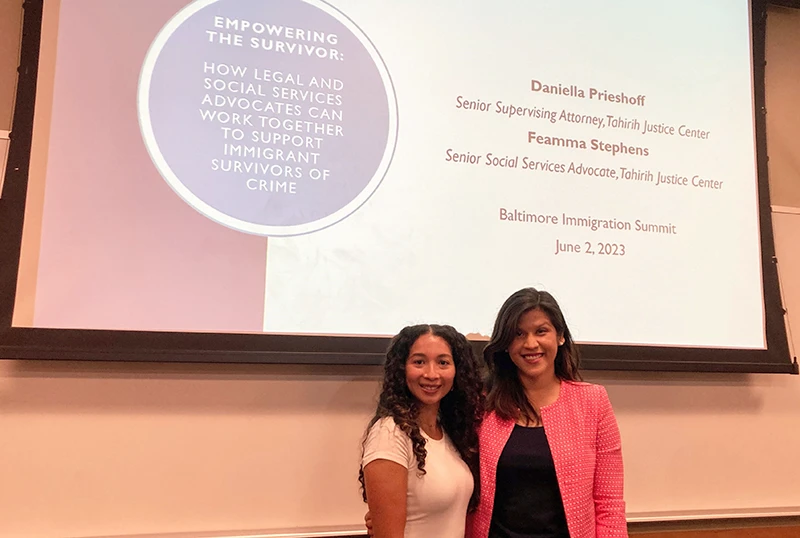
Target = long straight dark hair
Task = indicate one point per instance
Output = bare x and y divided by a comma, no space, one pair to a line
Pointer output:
505,393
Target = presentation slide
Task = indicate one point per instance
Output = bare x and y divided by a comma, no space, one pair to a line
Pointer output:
348,167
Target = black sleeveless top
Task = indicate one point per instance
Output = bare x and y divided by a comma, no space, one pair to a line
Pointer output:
527,501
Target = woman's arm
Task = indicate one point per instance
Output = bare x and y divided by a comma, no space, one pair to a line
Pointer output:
386,485
609,504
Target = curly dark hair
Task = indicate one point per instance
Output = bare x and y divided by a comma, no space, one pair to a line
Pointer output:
460,411
505,394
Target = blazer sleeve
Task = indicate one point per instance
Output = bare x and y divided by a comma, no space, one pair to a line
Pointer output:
609,503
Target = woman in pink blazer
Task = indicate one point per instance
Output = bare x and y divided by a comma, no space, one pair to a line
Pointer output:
549,446
550,451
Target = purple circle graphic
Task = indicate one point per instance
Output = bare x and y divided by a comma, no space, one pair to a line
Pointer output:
275,117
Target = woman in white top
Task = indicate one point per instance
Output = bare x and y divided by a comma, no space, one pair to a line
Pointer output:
419,469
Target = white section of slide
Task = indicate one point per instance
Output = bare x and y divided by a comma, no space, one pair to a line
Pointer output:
430,245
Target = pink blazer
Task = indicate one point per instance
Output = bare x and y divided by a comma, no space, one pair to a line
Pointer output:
587,453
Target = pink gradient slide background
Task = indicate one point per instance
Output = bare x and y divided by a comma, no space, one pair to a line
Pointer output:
126,252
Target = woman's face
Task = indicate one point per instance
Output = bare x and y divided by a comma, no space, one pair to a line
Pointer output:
430,370
535,346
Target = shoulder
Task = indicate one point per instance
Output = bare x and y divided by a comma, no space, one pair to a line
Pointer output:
586,395
386,428
386,424
492,420
584,390
385,440
493,428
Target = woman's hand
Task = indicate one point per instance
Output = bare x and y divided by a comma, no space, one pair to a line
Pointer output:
368,523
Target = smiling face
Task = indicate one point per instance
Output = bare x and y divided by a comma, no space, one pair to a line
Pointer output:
430,369
535,346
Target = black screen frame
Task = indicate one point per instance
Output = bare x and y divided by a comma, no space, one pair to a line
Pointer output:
105,345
